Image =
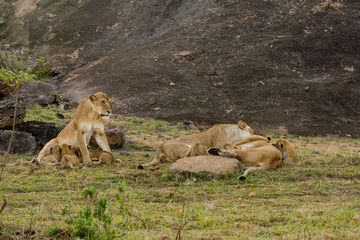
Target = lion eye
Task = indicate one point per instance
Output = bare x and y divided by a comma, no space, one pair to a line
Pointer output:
103,102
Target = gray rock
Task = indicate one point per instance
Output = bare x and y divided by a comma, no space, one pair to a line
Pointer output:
22,142
115,137
42,131
38,92
212,164
7,114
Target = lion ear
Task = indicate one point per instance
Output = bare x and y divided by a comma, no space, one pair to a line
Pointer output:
242,124
92,98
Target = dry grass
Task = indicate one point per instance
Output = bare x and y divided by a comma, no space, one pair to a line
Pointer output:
316,197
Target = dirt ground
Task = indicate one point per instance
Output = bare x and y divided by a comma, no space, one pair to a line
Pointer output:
275,64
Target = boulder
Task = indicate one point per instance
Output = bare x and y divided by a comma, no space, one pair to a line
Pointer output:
7,114
37,92
212,164
115,137
22,142
42,131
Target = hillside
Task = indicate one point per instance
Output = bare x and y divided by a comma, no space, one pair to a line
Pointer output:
274,64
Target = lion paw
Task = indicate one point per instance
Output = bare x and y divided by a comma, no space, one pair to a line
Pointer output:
214,151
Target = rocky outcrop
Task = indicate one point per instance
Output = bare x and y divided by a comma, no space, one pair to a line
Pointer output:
37,92
22,142
42,131
7,114
284,66
212,164
114,135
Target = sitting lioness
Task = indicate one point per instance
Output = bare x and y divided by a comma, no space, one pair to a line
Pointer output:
258,154
217,136
88,120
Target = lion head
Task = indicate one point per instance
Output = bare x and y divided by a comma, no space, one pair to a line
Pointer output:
244,126
286,148
101,104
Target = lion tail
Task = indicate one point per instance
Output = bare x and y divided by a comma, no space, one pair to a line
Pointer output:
155,161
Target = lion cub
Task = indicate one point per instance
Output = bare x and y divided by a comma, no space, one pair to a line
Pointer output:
103,157
97,156
69,157
53,158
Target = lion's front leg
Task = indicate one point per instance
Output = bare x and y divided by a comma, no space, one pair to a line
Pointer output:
101,140
80,135
218,152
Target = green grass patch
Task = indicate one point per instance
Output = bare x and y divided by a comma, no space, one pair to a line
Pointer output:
315,197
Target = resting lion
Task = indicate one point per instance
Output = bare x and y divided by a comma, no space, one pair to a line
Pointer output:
217,136
103,157
97,156
258,154
68,157
88,120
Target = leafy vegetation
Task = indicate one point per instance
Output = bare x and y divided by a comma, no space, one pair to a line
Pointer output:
315,197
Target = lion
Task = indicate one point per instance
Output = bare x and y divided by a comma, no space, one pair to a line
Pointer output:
287,150
217,136
88,120
258,154
97,156
54,156
103,157
69,157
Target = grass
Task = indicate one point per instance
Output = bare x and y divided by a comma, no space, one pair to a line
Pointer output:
315,197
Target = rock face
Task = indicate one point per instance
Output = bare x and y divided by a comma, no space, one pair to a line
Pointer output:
38,92
43,132
115,137
22,142
280,66
7,114
213,164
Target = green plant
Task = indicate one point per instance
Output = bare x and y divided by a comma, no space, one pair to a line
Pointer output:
15,80
56,95
41,70
94,221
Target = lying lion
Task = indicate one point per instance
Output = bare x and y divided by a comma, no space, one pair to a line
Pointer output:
88,120
97,156
196,144
258,153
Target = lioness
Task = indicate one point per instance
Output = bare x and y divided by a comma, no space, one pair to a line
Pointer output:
88,120
258,154
217,136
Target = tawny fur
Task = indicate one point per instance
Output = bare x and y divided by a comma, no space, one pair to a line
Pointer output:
68,157
53,157
218,136
258,154
88,120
